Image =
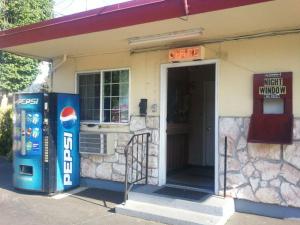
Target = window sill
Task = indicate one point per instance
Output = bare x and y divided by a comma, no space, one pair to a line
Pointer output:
95,123
118,128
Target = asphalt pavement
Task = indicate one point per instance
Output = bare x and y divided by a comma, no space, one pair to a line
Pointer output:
92,206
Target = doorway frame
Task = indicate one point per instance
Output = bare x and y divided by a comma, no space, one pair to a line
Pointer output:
163,115
204,105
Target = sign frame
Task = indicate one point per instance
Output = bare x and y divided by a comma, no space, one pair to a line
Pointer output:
186,54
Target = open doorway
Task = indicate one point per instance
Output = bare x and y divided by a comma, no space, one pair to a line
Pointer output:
191,126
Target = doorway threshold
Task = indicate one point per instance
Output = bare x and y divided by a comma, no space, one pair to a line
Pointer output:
184,194
190,188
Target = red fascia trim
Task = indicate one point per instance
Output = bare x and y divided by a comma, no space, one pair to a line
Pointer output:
111,17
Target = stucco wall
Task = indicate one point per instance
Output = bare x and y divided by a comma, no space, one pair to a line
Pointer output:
239,60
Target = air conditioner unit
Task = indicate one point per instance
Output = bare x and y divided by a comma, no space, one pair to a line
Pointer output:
96,143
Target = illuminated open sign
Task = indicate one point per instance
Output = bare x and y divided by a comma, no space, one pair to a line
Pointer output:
186,54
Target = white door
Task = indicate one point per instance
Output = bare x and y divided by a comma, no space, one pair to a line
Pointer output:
209,123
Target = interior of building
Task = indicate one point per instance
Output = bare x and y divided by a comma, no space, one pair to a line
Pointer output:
191,127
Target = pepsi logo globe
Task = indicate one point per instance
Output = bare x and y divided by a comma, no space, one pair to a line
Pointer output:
68,117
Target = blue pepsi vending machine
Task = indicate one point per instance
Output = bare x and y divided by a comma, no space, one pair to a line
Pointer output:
46,135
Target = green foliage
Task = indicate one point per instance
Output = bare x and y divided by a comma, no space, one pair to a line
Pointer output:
6,129
17,72
15,13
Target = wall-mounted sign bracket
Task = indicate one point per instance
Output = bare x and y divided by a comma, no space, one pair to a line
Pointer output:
272,118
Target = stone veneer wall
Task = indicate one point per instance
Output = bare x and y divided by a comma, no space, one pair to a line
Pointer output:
259,172
112,167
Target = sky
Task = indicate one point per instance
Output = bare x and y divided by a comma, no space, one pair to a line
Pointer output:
66,7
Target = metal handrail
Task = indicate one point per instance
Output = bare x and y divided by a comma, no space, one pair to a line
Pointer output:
225,166
136,159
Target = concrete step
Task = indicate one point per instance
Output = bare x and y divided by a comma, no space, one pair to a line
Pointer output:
168,215
210,204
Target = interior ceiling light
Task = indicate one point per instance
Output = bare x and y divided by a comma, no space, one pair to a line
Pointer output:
171,36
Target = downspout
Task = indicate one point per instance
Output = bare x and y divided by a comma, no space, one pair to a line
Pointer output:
186,10
54,68
186,7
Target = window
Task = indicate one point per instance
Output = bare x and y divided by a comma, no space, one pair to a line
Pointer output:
115,96
273,106
104,96
89,90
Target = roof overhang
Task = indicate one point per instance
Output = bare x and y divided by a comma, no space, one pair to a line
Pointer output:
107,29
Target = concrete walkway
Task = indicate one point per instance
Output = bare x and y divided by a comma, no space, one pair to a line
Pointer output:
92,206
248,219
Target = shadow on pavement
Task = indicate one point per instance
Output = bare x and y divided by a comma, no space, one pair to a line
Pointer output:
104,198
6,171
6,178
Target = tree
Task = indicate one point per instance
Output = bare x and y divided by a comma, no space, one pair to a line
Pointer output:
17,72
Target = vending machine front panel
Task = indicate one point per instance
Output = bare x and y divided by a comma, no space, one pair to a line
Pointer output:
28,141
68,158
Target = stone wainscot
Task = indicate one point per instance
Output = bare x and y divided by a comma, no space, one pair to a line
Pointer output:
112,167
259,172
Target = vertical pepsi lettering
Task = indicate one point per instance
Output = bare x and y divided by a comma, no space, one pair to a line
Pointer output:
68,119
68,140
68,159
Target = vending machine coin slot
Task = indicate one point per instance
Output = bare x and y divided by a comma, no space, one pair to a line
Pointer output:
26,170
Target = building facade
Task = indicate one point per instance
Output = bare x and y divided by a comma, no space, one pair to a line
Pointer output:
267,173
191,105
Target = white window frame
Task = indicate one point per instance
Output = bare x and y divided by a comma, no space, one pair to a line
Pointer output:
87,72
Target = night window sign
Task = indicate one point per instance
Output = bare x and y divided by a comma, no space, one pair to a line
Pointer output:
273,86
272,118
